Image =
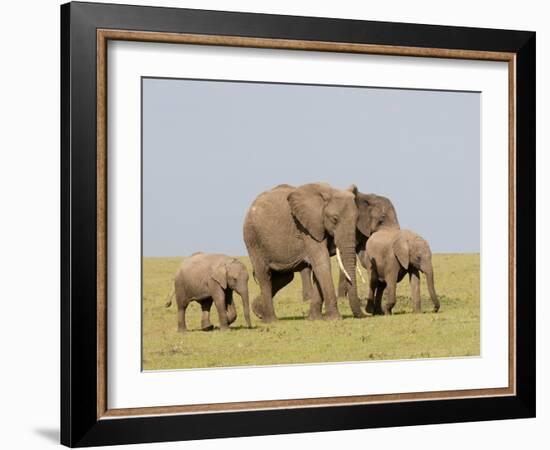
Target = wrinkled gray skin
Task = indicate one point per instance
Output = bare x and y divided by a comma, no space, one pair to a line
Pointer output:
288,229
374,212
211,278
390,254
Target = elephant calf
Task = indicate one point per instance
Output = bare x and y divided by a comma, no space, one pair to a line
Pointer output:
211,278
390,254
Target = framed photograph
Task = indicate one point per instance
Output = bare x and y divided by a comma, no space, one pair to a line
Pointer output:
278,224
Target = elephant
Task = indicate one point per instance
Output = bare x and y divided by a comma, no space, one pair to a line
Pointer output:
211,278
375,212
288,229
390,254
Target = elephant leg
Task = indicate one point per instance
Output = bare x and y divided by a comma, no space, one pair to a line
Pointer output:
262,306
316,303
306,283
219,301
373,284
322,271
342,285
182,307
265,306
270,284
390,303
414,280
378,298
230,307
206,305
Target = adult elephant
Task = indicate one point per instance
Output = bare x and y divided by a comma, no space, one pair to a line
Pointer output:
288,229
374,212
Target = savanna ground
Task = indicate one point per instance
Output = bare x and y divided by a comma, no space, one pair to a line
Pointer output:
454,331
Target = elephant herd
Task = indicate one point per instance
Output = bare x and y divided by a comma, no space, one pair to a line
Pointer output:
297,229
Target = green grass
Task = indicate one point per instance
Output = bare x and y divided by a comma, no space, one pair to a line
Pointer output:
454,331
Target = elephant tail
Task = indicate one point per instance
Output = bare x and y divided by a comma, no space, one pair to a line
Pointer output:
169,299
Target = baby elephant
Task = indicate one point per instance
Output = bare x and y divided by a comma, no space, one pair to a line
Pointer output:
208,278
390,254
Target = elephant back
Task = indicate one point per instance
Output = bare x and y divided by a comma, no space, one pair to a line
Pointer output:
268,206
269,222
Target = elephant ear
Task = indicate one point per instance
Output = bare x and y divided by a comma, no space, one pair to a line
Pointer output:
307,204
363,207
401,250
220,275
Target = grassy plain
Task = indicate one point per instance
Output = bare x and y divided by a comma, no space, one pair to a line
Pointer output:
454,331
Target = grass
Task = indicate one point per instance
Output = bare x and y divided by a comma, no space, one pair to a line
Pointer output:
454,331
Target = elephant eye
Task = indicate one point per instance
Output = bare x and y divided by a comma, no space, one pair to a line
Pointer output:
334,219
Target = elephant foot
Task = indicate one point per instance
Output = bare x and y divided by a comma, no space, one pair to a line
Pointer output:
373,309
333,315
231,319
224,328
436,308
268,319
314,315
182,330
257,308
207,327
370,308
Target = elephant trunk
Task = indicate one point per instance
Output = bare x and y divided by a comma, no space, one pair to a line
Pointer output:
246,306
431,288
349,260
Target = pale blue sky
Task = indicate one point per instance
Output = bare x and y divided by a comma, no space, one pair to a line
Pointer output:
210,147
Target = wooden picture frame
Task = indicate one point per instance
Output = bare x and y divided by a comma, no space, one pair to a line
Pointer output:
85,416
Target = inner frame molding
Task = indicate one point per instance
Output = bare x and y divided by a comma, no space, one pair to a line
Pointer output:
104,35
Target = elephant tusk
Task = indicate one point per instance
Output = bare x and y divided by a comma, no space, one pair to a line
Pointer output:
342,264
360,272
